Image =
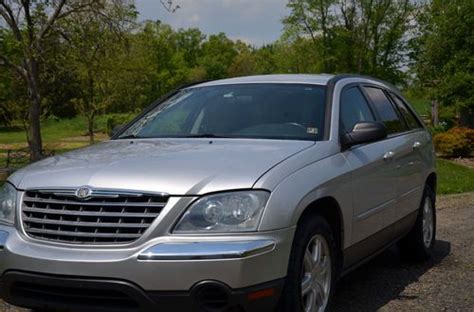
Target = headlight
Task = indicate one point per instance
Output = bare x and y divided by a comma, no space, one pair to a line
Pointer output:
222,213
7,203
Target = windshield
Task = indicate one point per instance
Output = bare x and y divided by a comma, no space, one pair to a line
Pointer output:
261,111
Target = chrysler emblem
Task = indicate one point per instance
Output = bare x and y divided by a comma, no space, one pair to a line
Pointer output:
83,192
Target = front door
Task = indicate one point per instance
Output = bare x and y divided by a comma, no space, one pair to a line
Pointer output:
374,172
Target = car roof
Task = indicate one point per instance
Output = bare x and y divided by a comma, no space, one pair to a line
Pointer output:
315,79
322,79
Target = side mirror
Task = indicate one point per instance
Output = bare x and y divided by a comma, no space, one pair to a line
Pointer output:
116,130
364,132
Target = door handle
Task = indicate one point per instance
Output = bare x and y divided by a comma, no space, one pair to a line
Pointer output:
416,145
388,156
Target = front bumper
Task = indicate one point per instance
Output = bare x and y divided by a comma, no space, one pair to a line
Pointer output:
61,293
158,266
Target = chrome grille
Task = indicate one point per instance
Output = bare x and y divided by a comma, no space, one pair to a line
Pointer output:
107,217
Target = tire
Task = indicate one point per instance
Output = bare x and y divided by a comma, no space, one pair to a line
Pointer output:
311,231
419,242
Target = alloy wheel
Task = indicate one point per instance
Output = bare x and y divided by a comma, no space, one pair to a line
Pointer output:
316,275
428,223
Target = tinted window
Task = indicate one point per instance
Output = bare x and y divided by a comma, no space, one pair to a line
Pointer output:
410,119
385,110
354,108
273,111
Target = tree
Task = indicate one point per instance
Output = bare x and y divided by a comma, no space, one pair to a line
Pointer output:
313,18
245,63
189,41
94,49
265,58
357,36
12,96
218,53
30,23
443,56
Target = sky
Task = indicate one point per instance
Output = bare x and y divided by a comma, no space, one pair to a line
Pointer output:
256,22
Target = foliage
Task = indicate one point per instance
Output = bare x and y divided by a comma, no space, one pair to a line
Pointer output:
435,130
454,178
359,36
94,52
442,53
115,120
26,30
218,54
457,142
95,59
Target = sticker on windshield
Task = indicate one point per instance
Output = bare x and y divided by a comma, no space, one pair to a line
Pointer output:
312,131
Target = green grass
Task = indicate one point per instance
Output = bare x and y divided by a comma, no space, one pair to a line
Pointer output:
454,178
52,130
58,135
421,105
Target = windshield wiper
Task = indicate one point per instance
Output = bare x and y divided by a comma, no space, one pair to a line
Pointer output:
131,136
206,136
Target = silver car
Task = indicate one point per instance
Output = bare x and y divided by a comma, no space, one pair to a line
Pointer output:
245,194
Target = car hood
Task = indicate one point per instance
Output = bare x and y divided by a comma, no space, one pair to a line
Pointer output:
173,166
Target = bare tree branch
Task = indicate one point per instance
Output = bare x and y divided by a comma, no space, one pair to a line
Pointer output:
51,21
6,62
169,5
7,14
29,21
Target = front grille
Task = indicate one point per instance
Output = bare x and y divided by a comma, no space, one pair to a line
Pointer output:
106,217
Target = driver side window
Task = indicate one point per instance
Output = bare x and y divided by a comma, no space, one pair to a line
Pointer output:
354,109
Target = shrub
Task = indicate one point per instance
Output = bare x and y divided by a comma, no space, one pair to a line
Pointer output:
117,120
442,127
457,142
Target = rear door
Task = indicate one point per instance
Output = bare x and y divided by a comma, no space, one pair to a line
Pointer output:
410,183
397,153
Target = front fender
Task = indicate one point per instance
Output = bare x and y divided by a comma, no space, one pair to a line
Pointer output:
329,177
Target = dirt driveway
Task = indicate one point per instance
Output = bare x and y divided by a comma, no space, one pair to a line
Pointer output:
391,283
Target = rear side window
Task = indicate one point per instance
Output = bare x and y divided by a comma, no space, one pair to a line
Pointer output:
385,110
354,108
407,114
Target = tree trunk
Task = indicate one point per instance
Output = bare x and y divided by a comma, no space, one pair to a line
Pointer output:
435,112
467,117
91,106
90,128
35,143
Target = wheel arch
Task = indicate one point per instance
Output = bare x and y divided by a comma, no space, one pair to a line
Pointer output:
432,181
329,208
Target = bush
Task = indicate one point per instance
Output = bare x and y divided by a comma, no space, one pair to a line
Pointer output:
457,142
442,127
117,120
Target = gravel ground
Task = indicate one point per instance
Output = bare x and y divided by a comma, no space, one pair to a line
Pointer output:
392,283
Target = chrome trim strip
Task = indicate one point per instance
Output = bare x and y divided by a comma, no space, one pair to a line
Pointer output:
379,208
206,250
410,192
101,193
93,193
3,238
